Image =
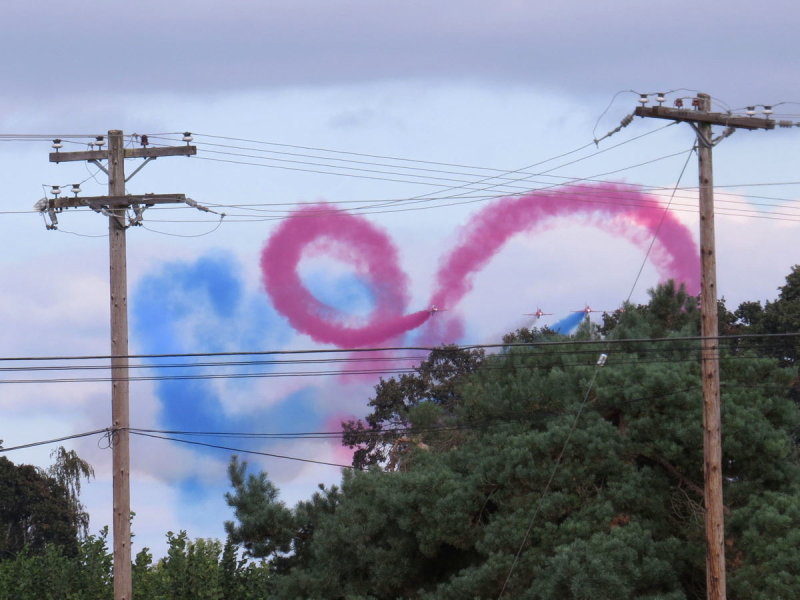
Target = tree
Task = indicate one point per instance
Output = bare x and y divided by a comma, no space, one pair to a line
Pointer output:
436,381
265,525
781,316
35,510
572,480
68,469
197,570
42,506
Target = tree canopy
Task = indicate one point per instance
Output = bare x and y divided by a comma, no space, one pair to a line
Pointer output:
779,316
34,510
41,506
541,474
435,382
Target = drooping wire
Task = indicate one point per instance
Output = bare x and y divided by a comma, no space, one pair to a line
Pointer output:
241,450
385,371
54,440
542,344
183,235
660,223
546,489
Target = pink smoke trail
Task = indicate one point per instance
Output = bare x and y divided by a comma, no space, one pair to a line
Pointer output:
370,252
333,423
618,209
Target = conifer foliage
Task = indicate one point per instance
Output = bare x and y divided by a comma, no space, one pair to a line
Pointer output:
546,476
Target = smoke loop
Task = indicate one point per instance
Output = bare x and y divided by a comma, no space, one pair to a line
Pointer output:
618,209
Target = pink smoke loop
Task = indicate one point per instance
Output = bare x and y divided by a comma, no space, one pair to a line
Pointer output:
371,253
621,210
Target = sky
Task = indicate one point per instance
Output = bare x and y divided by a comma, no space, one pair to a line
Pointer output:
426,126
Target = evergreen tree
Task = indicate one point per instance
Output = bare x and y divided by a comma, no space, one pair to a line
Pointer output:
567,479
436,381
780,316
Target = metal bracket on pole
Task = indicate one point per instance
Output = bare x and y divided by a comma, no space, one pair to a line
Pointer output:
99,165
727,132
139,168
701,138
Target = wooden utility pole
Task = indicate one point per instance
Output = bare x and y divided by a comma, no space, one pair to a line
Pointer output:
709,330
701,119
115,206
120,421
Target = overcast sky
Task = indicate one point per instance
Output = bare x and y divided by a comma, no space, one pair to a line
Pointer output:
184,47
500,85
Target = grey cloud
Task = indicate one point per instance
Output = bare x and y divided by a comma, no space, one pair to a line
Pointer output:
55,49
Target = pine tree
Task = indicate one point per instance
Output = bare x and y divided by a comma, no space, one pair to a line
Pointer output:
567,480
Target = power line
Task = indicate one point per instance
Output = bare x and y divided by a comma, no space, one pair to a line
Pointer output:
392,204
521,350
465,182
314,435
54,440
423,199
557,464
543,344
150,435
589,196
658,228
379,156
634,359
242,450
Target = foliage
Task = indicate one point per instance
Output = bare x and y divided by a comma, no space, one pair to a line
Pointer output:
435,382
264,524
265,527
52,574
192,570
199,570
43,557
774,317
34,511
68,469
670,312
568,480
42,506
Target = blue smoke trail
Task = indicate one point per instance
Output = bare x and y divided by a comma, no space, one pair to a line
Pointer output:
568,324
202,306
